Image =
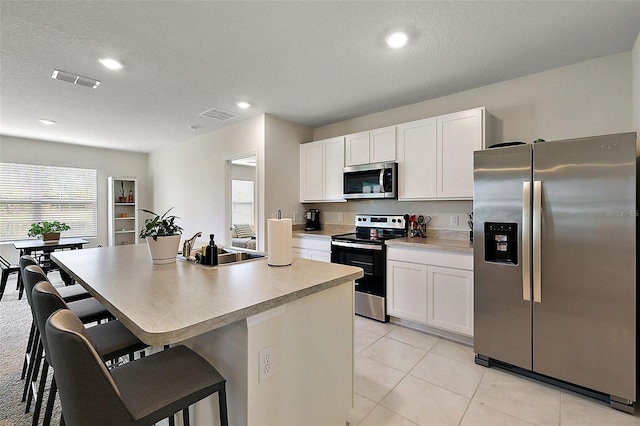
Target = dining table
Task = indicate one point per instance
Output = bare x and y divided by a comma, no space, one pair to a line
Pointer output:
43,249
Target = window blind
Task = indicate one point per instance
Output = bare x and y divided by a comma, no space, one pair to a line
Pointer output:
33,193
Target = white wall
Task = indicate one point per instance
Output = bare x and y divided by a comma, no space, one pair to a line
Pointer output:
107,162
191,177
282,154
585,99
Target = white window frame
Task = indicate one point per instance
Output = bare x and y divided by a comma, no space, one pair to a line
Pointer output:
32,193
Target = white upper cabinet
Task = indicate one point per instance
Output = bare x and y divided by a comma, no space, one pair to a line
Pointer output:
435,155
459,134
375,146
417,160
321,164
333,156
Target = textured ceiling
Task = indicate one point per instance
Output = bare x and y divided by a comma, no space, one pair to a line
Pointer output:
311,62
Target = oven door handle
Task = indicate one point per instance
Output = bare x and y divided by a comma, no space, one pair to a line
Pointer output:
357,245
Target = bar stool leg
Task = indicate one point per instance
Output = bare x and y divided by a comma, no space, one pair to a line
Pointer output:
32,357
48,412
40,395
222,402
31,379
30,346
185,416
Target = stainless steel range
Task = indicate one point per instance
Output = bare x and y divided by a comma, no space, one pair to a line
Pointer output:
366,249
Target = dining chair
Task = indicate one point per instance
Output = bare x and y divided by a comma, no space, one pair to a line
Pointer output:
7,269
112,341
140,392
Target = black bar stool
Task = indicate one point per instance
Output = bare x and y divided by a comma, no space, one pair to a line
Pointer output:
112,340
140,392
88,310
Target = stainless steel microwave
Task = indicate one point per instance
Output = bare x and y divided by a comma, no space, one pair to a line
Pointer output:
378,180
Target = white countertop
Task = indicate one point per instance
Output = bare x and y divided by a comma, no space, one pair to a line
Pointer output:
164,304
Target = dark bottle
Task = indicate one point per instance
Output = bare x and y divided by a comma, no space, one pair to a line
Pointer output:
212,252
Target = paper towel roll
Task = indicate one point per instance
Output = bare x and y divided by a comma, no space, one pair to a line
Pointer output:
279,242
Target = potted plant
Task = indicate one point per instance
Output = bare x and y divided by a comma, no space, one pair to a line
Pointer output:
48,231
162,235
122,198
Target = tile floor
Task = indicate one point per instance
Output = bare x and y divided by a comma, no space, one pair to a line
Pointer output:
405,377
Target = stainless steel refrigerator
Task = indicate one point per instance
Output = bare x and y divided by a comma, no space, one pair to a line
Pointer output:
555,280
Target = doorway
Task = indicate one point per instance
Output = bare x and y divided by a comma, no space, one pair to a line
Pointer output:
242,205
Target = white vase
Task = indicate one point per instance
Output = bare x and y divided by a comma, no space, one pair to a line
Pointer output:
163,250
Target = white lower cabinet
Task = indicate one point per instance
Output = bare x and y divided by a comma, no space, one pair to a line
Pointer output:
314,248
431,287
407,290
450,299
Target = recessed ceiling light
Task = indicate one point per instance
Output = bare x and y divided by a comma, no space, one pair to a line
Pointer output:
193,128
47,122
396,40
112,64
243,104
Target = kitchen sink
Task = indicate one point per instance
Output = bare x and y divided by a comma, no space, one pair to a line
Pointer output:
228,255
236,256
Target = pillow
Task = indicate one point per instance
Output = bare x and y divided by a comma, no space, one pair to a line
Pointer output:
243,230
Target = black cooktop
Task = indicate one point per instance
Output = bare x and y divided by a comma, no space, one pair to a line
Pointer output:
375,229
366,237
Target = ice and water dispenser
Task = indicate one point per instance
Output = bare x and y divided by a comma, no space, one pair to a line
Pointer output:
501,242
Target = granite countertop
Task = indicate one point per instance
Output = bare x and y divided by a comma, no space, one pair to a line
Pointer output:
456,245
439,239
165,304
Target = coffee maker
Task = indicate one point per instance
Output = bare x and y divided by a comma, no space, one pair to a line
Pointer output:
313,220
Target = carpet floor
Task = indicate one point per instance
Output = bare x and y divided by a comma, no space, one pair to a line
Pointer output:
15,323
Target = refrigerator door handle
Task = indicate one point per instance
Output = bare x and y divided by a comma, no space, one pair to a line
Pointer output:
526,240
537,222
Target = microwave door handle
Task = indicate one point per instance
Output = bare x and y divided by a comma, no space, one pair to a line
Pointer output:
381,179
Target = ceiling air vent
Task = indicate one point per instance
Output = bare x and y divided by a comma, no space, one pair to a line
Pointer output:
75,79
218,114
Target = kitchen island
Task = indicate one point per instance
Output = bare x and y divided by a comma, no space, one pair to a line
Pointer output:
301,314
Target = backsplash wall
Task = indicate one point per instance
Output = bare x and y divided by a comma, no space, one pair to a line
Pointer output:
440,211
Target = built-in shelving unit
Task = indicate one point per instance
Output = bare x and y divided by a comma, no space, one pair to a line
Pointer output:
123,210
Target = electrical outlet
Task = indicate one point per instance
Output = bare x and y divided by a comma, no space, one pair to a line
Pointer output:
265,364
340,217
453,220
295,216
